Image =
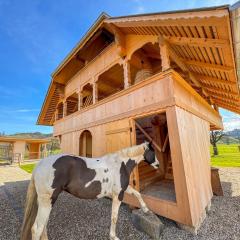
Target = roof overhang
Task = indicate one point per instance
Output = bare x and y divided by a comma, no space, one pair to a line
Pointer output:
207,30
27,140
53,90
96,25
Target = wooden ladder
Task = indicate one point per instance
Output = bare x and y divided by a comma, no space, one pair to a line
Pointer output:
169,169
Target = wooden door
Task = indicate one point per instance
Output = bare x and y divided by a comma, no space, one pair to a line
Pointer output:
118,135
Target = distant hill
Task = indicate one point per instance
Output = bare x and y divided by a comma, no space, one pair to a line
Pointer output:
234,133
232,137
31,135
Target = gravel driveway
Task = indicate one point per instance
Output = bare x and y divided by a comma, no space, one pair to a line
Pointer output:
73,219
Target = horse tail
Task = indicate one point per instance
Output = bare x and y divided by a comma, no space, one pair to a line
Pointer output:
30,214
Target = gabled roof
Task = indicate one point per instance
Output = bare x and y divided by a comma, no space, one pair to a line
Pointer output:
81,43
52,92
201,40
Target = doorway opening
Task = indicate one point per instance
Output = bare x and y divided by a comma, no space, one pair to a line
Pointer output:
156,183
85,144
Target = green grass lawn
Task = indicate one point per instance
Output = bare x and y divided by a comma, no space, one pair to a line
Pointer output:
229,156
28,167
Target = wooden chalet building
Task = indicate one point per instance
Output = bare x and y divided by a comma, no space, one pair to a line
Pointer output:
161,76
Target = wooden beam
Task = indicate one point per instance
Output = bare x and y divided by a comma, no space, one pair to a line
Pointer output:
228,106
59,88
214,80
148,137
107,86
72,99
119,39
169,20
183,66
221,90
226,101
208,65
204,42
221,94
165,143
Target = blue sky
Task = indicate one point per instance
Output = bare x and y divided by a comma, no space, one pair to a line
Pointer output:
35,35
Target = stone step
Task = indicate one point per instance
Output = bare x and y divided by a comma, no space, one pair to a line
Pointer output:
148,223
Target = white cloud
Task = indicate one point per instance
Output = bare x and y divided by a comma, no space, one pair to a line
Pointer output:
26,110
140,8
220,2
231,121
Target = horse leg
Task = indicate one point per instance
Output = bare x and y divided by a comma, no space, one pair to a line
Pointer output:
44,209
44,233
115,208
143,205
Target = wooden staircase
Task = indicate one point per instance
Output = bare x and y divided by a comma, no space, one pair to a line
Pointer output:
169,169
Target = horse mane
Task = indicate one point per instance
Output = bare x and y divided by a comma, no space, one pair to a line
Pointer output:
132,151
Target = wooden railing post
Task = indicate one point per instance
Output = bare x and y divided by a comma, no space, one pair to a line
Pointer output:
80,100
127,74
64,108
95,92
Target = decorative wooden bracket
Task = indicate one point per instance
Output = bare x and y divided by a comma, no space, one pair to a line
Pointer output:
119,39
184,67
164,52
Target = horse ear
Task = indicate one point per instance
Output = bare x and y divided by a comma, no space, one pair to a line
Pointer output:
150,146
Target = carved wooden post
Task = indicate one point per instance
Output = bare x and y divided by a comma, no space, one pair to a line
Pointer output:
95,92
215,108
80,99
56,115
164,52
64,108
127,74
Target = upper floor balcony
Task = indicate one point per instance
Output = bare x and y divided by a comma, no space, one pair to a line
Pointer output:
157,92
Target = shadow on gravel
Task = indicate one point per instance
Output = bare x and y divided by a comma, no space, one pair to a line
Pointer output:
72,218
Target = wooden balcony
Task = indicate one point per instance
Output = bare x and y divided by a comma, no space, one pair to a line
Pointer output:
155,93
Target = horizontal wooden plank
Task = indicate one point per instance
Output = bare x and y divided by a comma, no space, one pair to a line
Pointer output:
214,80
208,65
220,43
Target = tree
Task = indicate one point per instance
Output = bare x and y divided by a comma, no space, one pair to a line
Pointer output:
216,136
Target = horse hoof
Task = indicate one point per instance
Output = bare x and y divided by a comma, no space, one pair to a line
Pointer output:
114,238
145,210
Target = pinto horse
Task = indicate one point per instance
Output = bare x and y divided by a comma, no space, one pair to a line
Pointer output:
85,178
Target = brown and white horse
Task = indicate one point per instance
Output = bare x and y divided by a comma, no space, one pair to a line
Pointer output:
85,178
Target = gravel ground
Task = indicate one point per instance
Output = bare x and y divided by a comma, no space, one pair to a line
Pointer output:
73,219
